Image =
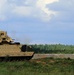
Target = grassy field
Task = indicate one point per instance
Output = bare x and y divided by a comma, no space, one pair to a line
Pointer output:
48,66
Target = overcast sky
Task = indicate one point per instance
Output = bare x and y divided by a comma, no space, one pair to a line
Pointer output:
38,21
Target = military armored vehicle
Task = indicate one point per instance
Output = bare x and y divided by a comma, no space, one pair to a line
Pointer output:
13,50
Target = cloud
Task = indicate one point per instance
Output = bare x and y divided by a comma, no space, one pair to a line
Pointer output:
46,13
42,5
65,9
22,11
31,8
2,9
45,10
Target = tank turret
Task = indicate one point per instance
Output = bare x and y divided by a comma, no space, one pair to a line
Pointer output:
4,38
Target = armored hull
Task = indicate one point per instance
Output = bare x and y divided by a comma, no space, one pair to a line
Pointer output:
15,51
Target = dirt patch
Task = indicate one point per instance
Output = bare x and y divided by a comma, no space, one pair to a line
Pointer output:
38,56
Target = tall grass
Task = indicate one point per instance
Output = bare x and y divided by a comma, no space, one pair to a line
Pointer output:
47,66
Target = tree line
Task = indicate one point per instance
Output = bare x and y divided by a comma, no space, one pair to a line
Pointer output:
51,48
